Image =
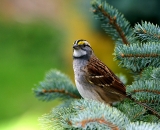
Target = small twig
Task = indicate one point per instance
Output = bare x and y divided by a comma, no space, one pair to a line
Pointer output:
144,31
114,23
99,120
145,90
139,55
60,91
150,109
154,112
138,114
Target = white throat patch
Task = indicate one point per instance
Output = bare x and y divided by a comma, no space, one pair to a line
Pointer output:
79,53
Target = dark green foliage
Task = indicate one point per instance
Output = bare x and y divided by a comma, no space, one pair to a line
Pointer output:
131,109
135,112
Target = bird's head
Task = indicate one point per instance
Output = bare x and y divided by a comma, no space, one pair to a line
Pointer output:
82,49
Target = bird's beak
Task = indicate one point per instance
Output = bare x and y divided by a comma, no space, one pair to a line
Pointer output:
75,46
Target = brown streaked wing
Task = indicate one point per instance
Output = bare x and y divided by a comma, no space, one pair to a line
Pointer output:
102,76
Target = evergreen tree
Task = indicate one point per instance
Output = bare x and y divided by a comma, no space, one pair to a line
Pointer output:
138,50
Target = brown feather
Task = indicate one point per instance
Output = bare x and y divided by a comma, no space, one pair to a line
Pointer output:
110,88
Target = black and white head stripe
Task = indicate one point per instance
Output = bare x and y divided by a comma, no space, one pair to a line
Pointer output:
81,42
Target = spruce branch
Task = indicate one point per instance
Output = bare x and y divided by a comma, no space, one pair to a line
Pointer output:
113,22
90,115
153,110
57,119
61,91
138,56
136,111
145,91
56,85
149,73
98,113
146,74
85,114
132,110
147,32
147,94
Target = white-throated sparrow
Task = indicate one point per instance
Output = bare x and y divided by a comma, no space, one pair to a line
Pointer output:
94,80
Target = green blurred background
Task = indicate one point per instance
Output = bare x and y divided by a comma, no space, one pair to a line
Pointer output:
37,35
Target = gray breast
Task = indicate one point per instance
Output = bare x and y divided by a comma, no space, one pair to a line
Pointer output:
85,89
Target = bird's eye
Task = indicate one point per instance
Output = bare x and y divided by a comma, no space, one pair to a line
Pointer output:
84,45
